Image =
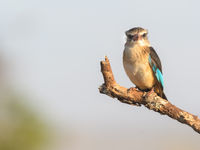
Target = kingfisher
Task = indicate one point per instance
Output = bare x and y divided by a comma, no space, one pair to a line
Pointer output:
141,62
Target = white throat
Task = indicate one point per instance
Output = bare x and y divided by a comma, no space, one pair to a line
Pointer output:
142,43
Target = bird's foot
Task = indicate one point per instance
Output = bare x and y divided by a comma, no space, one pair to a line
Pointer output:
132,89
150,92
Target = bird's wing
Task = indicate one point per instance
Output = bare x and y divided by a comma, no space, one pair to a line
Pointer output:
156,66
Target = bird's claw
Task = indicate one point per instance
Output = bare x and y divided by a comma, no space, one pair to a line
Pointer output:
132,89
150,92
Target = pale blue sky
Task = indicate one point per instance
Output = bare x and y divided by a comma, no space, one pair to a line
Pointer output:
54,49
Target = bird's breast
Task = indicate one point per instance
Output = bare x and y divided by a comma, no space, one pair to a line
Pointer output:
137,68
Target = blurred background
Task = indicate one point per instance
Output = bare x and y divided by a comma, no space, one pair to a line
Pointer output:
50,73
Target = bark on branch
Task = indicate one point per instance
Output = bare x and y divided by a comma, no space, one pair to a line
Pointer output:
136,97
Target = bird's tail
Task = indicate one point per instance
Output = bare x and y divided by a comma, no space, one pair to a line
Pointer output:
164,96
160,92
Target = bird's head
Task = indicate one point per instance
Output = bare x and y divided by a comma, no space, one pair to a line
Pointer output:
137,36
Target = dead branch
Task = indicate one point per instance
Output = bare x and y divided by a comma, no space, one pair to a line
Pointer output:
136,97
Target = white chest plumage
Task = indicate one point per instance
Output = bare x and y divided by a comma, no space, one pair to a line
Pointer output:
136,65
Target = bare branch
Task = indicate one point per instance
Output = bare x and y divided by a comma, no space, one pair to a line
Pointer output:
136,97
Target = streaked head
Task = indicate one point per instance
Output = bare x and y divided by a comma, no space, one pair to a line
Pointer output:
137,36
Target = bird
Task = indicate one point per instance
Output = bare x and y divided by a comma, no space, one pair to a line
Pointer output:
141,62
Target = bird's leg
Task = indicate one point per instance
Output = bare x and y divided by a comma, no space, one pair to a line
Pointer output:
150,92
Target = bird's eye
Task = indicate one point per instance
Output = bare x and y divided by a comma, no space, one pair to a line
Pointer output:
144,35
130,36
133,37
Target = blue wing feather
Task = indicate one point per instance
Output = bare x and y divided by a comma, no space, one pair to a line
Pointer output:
159,77
156,71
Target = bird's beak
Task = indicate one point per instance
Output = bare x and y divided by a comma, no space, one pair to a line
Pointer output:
135,37
139,38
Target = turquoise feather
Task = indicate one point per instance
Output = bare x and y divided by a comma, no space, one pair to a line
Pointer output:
157,72
159,77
